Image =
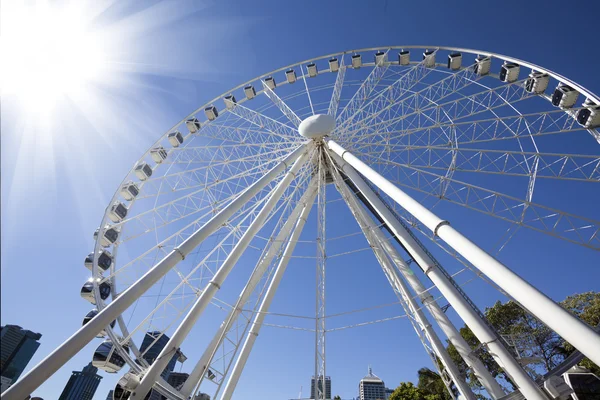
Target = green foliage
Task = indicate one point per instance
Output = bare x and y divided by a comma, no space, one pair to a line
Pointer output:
431,383
408,391
549,348
337,398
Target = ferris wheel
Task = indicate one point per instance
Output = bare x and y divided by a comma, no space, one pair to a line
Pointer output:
400,138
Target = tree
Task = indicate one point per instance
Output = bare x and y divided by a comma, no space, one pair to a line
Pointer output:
431,383
337,398
407,391
510,319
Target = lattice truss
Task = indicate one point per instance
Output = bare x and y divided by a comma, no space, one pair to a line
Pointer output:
449,137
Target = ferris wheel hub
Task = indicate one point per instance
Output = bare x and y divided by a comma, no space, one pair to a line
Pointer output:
317,126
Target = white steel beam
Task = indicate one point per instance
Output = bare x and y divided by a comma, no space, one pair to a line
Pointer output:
422,259
376,241
267,300
214,285
198,373
552,313
48,366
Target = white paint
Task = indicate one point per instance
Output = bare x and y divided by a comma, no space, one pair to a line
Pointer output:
316,126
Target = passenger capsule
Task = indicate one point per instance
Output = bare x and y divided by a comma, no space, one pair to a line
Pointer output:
380,58
105,260
482,65
117,212
129,191
175,138
87,290
127,384
429,58
454,61
404,57
537,82
564,96
290,76
91,315
312,70
230,101
193,125
107,358
270,81
143,171
334,64
109,237
356,61
158,154
509,72
250,92
589,115
211,113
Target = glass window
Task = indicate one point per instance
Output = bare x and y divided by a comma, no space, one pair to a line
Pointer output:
586,386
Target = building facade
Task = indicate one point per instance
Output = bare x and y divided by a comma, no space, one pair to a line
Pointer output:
151,347
320,382
17,347
371,387
110,395
82,385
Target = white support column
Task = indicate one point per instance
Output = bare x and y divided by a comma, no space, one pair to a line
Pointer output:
198,373
266,303
376,240
490,267
48,366
214,285
423,260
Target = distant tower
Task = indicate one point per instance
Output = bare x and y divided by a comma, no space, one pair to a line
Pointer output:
151,348
327,387
17,347
110,395
82,385
371,387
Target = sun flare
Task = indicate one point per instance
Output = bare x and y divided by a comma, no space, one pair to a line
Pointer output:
48,53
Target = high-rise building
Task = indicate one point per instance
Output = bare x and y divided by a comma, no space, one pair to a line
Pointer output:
371,387
151,347
177,379
82,385
17,347
110,395
388,393
320,383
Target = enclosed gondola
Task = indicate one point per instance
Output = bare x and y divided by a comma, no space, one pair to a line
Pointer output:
537,82
117,212
193,125
356,61
589,115
380,58
211,113
129,191
107,358
271,84
404,57
334,64
91,315
454,61
87,290
105,260
312,70
509,72
250,92
158,154
175,138
482,65
230,101
429,58
143,171
564,96
290,76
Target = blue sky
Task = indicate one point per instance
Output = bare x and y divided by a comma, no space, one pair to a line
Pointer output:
63,159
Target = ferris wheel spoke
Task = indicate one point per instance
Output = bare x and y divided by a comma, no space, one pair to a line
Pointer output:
283,107
511,127
337,90
560,224
186,178
228,333
423,98
513,163
451,111
392,94
362,93
256,118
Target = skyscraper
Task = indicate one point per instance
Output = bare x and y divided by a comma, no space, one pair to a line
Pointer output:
327,387
110,395
177,379
371,388
151,348
17,347
82,385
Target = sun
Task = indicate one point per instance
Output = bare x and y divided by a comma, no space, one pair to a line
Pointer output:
48,53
